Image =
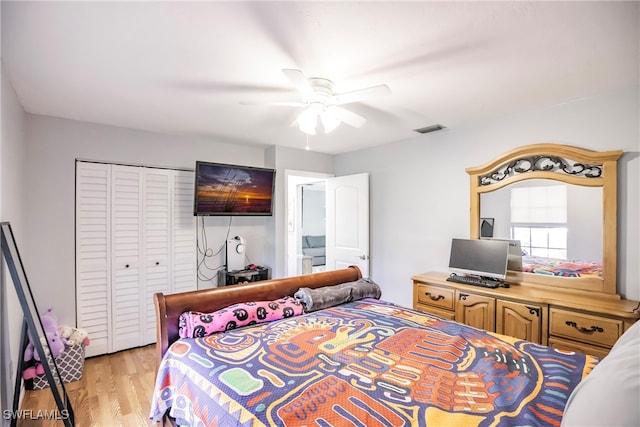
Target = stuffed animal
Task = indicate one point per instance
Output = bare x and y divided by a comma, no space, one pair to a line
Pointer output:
74,336
56,345
33,371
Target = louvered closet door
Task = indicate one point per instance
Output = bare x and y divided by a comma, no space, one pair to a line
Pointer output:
135,235
156,238
93,253
126,249
184,233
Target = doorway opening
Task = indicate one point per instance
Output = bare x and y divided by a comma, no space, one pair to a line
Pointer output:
306,222
333,233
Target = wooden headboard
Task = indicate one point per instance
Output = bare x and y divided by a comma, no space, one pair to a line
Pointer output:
170,307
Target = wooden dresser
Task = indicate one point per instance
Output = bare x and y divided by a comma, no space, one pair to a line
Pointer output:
560,319
569,309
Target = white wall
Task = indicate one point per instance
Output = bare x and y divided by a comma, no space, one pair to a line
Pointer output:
254,230
420,191
54,144
12,188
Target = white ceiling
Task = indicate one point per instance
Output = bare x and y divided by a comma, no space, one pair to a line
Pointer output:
187,68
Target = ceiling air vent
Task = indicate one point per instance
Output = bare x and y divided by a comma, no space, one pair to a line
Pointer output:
432,128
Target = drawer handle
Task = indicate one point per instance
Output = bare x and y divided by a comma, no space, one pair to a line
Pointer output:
463,297
583,329
437,298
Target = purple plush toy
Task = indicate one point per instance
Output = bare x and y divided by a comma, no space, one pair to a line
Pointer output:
56,344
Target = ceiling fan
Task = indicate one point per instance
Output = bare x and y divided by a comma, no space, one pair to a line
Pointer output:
321,103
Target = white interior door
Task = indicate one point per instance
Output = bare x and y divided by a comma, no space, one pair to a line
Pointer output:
156,232
127,275
93,254
347,239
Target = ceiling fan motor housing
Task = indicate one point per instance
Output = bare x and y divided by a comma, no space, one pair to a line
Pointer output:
322,90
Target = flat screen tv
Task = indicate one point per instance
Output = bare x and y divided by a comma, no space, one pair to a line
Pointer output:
485,258
230,190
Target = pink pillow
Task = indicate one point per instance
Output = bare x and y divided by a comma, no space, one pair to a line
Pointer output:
194,324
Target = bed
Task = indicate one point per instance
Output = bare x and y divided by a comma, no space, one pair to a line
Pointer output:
561,267
366,362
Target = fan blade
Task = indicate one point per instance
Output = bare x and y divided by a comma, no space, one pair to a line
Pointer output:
299,81
277,104
223,87
346,116
360,94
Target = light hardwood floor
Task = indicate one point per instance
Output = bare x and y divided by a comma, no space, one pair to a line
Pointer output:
115,390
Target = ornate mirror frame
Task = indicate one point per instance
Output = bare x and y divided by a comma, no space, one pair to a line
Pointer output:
567,164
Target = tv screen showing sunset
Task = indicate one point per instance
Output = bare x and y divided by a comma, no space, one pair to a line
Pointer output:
233,190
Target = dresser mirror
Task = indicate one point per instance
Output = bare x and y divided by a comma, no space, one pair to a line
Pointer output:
560,202
581,211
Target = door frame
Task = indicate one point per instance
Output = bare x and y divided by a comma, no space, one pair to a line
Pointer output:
292,179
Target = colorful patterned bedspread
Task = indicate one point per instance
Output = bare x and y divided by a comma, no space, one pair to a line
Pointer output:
561,267
365,363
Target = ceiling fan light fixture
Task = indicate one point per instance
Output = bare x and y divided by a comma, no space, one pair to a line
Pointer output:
308,121
329,121
321,102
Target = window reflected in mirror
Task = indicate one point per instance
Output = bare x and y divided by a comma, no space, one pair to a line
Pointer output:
554,222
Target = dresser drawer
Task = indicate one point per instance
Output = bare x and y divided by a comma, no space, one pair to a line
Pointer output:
560,344
434,296
445,314
584,327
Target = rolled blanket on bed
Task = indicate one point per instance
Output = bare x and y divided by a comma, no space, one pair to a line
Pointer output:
193,324
329,296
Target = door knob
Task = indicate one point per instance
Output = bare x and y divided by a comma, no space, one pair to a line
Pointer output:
363,257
